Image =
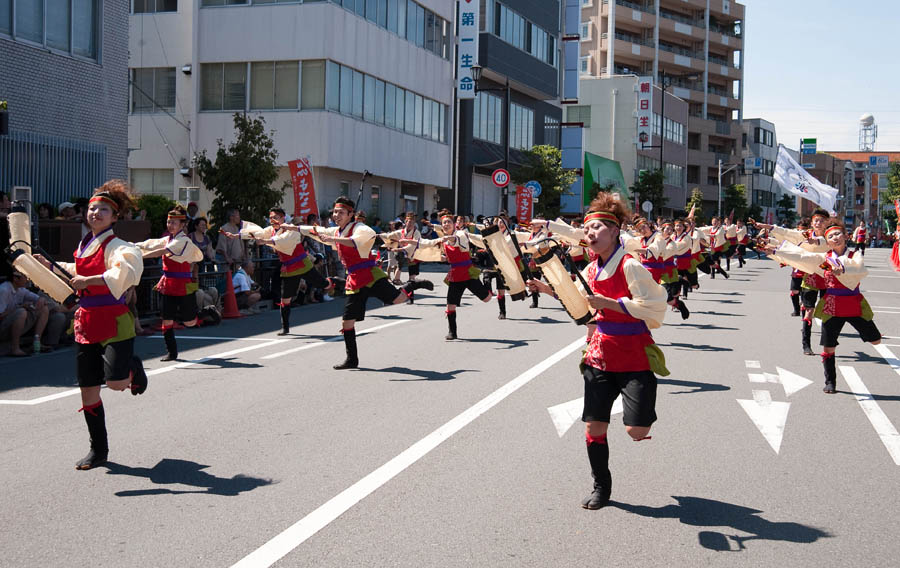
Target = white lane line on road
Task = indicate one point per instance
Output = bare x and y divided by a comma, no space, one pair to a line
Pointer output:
159,371
876,276
885,312
752,364
331,340
879,292
299,532
888,356
883,427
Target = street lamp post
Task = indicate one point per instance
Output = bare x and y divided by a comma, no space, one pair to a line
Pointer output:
721,173
476,71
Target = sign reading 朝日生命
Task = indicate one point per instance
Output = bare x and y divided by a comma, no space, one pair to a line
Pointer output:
644,110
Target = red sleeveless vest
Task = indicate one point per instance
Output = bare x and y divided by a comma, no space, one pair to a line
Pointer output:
95,318
360,270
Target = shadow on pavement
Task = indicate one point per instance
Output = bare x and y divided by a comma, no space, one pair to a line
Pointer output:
422,374
220,363
693,385
700,512
722,293
695,347
184,472
703,326
509,343
542,319
718,313
716,300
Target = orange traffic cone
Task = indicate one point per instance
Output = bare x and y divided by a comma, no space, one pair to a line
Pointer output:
230,302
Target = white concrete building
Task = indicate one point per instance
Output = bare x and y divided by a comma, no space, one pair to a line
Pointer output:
364,87
760,152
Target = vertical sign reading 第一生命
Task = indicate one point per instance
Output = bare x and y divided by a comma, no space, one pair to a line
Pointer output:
524,204
468,48
644,111
304,188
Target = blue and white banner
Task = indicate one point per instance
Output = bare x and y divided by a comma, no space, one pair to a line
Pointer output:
795,179
468,48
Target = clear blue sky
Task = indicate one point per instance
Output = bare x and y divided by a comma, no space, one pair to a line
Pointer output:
813,67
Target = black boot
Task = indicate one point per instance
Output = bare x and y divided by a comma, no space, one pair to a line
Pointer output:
138,376
502,303
685,287
285,320
95,418
830,373
451,324
171,346
728,264
598,455
722,272
807,333
795,301
534,299
352,360
685,312
413,285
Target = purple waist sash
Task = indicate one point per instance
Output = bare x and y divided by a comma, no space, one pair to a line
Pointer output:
843,291
461,263
622,328
295,260
100,300
361,266
170,274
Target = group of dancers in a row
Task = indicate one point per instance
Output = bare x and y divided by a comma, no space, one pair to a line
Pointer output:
625,271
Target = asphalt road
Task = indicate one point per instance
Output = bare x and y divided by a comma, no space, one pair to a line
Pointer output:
252,450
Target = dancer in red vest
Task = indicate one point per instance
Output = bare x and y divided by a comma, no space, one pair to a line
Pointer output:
841,271
296,264
658,256
177,284
353,242
456,246
860,237
410,233
621,357
105,268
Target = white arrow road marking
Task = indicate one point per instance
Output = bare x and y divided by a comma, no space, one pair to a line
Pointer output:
883,427
566,414
888,356
752,364
791,382
762,377
769,417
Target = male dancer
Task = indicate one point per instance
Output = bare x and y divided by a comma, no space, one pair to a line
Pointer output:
353,242
859,238
410,232
621,357
714,234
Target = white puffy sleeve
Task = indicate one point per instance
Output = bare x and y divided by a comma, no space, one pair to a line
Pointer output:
648,299
363,237
124,266
854,270
286,241
799,258
429,250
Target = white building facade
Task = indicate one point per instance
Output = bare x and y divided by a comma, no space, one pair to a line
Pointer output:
366,86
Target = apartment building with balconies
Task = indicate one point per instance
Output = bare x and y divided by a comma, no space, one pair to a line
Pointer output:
693,47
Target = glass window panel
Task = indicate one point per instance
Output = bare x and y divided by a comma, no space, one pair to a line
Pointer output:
312,82
476,117
379,101
58,24
445,39
30,20
498,120
502,21
361,7
141,90
211,75
418,131
369,99
6,16
429,30
333,88
400,113
235,96
390,101
84,25
435,120
141,6
371,10
346,90
443,123
164,91
410,120
262,85
392,16
166,5
357,94
486,109
426,118
420,26
411,20
401,18
382,13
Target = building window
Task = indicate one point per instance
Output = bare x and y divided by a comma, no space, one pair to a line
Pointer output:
153,182
584,65
68,26
225,2
487,118
579,113
154,6
585,31
674,131
223,86
522,34
521,127
551,131
273,84
153,90
344,187
313,84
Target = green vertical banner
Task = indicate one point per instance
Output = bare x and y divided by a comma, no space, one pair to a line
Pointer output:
604,172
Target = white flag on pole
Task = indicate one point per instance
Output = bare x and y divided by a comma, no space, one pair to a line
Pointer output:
795,179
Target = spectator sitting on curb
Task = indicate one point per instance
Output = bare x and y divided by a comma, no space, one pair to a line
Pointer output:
21,311
244,288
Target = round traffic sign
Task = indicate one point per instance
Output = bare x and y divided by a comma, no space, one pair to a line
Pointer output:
535,188
647,206
500,177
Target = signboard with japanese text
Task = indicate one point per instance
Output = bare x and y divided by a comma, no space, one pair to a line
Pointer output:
468,48
304,188
524,204
644,111
807,145
754,163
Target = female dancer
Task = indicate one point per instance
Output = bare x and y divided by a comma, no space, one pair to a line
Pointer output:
177,284
842,271
714,234
657,255
621,357
105,268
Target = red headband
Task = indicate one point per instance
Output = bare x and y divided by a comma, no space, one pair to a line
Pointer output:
177,216
833,228
343,206
105,199
601,216
451,217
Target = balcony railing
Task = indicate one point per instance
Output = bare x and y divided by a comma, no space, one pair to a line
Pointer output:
678,18
633,39
723,127
733,31
633,6
679,50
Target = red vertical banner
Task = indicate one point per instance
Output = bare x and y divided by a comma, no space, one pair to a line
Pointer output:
304,188
897,209
524,204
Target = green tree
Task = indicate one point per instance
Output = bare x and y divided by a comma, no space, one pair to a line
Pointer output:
696,202
649,187
786,209
157,208
596,189
734,198
243,173
892,193
754,212
543,164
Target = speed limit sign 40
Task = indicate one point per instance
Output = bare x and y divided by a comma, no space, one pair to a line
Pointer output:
500,177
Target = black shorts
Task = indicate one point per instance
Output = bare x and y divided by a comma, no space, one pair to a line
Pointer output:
413,269
673,289
291,284
831,330
808,298
97,364
455,290
355,308
180,308
796,283
638,389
